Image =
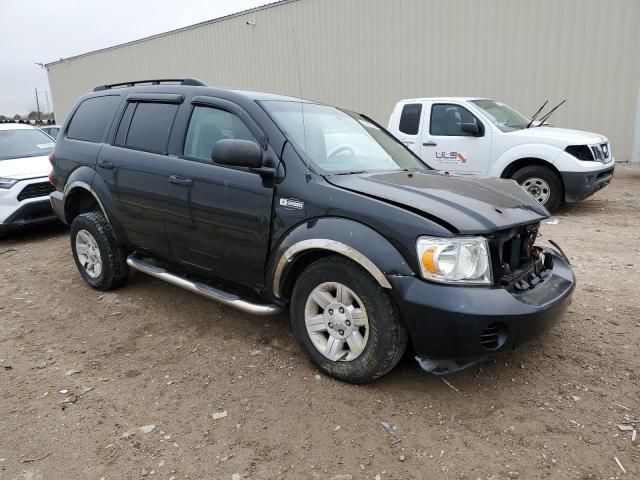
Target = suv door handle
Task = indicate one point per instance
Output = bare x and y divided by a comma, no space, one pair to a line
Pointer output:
429,144
181,181
106,165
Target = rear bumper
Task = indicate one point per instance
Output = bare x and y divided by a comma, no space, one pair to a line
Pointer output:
461,323
580,185
57,204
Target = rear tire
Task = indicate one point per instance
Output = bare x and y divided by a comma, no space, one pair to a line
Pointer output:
368,336
101,261
542,183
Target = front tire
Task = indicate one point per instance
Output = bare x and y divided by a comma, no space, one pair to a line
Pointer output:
100,259
542,183
345,322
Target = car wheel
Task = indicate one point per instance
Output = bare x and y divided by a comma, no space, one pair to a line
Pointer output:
345,322
542,184
100,259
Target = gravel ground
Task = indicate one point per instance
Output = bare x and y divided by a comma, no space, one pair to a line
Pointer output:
82,371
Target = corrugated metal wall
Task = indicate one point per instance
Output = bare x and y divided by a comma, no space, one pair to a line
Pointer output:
367,54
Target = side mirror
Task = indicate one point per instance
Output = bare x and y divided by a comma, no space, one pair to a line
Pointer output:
471,128
237,153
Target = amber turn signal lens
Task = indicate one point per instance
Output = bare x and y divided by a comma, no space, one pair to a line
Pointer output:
428,259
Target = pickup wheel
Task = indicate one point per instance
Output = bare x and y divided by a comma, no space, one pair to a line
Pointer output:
100,259
345,322
542,183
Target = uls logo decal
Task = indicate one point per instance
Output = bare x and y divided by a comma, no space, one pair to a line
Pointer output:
451,157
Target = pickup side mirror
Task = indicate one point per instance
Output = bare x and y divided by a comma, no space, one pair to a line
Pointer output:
471,128
237,153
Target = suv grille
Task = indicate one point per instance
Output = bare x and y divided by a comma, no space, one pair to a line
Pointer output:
517,264
35,190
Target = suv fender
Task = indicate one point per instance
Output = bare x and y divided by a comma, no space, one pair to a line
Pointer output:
545,153
333,235
85,179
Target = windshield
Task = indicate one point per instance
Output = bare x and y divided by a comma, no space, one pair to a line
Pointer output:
19,143
501,115
339,141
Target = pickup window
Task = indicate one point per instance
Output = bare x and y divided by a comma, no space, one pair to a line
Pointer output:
410,118
447,120
207,126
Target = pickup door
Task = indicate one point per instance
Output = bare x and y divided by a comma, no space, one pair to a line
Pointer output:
433,130
218,217
448,146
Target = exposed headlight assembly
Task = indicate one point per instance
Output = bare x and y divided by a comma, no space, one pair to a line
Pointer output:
7,182
461,260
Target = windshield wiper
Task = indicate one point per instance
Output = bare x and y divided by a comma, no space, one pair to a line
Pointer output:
546,117
533,118
351,172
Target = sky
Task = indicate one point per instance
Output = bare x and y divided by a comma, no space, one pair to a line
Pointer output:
42,31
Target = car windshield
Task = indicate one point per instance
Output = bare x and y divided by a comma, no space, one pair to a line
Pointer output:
502,116
339,141
27,142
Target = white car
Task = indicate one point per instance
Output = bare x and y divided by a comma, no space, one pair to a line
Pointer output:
51,130
486,137
24,170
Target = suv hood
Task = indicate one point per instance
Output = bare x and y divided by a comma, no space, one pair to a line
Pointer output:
464,204
27,167
559,136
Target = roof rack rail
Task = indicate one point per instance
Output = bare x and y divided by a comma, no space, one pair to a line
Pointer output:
182,81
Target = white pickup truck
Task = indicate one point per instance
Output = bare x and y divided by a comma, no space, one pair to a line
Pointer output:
486,137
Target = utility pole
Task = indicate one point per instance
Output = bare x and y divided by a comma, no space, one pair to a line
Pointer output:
48,104
38,106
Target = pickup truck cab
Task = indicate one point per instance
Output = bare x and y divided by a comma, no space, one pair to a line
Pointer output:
486,137
265,202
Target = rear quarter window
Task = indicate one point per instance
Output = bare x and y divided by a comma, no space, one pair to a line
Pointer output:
410,118
92,118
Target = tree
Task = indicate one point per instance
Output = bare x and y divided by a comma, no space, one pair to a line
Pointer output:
16,117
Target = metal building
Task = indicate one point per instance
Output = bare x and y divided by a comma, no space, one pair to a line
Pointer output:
367,54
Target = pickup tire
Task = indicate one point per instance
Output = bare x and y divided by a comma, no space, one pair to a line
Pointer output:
542,183
101,261
345,322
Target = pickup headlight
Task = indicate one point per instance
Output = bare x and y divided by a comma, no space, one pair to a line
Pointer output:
462,260
581,152
7,182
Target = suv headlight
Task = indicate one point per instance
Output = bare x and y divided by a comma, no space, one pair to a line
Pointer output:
7,182
462,260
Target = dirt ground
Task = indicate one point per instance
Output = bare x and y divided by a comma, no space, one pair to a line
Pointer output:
152,354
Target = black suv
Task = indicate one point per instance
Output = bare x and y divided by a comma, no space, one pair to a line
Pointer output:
264,202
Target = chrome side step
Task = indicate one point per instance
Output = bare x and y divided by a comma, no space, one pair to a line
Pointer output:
230,299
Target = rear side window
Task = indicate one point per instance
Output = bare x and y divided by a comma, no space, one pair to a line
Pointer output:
207,126
410,118
150,126
92,118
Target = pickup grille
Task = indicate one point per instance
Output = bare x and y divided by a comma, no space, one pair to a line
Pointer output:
35,190
601,152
